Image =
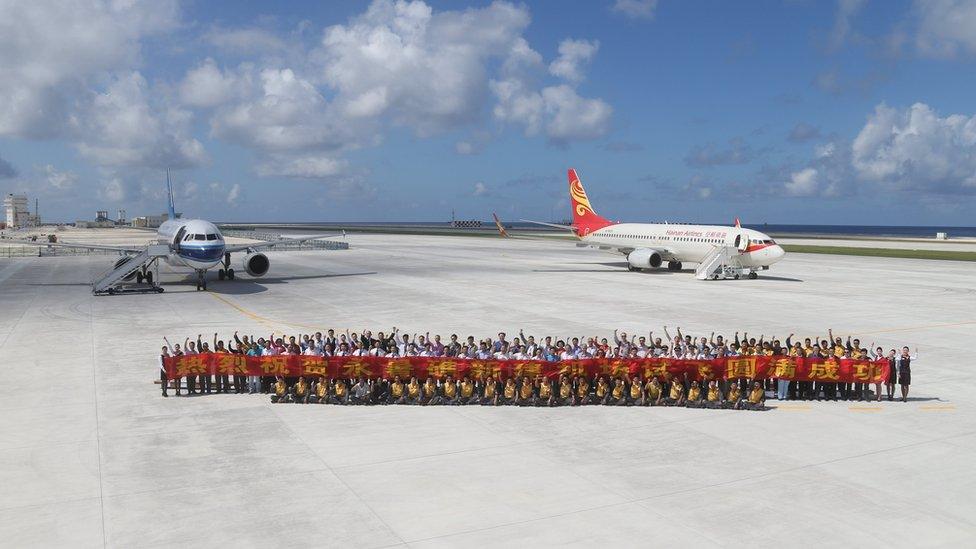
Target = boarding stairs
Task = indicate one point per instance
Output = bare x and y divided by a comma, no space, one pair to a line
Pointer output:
721,262
109,281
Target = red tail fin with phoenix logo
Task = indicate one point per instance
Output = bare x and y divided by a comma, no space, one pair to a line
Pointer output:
585,220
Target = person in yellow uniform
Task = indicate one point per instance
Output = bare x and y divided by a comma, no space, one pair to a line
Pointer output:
398,391
467,390
544,390
509,393
733,396
676,395
757,398
713,399
490,391
636,392
565,397
694,399
340,392
430,392
300,391
414,392
618,394
448,394
602,392
652,392
526,393
280,391
320,391
583,395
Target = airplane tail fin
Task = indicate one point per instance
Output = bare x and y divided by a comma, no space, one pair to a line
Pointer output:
585,220
170,205
498,223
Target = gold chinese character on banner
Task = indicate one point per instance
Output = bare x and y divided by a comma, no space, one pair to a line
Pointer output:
275,365
828,370
784,368
190,365
356,368
398,367
531,369
706,372
572,369
656,368
232,365
440,368
481,370
867,371
741,367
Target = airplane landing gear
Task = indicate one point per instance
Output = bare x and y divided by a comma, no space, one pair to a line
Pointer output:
674,265
226,272
201,281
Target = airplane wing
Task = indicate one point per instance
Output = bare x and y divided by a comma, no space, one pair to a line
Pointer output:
272,243
665,252
77,245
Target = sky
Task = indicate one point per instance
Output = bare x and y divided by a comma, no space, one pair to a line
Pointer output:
790,111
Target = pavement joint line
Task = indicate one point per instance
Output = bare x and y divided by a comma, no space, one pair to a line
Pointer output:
365,504
697,488
98,442
46,503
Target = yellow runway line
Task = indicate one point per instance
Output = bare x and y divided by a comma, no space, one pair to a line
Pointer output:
938,408
263,320
794,408
865,408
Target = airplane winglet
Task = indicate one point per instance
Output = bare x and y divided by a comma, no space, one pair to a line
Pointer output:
501,228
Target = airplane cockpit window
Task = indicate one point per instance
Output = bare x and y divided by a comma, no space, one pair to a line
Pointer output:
199,237
211,236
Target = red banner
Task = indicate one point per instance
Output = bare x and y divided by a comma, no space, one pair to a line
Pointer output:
750,367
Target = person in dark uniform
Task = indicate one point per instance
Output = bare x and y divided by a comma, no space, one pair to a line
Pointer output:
163,380
905,371
206,381
379,391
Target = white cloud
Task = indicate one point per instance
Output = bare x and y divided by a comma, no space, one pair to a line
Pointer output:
637,9
803,183
573,56
302,167
846,11
916,149
234,194
572,117
244,41
480,189
50,55
207,86
123,128
946,27
59,180
113,190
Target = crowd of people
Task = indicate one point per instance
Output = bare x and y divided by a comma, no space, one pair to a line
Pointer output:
525,391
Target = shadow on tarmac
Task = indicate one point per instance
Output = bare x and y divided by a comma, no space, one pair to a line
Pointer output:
244,286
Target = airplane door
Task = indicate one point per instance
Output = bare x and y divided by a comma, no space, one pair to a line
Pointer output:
741,242
179,238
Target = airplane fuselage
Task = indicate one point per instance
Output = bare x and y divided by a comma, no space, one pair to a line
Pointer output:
194,243
689,243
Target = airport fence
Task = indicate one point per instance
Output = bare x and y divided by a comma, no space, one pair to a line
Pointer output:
42,251
307,245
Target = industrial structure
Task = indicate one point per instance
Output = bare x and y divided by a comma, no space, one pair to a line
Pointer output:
17,213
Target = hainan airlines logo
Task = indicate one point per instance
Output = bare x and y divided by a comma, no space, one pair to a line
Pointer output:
579,198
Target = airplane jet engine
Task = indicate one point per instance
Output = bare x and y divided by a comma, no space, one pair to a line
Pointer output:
642,258
256,264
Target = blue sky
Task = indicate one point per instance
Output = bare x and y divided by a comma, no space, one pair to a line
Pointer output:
849,112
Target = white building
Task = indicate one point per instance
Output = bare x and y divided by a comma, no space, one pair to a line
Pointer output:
15,206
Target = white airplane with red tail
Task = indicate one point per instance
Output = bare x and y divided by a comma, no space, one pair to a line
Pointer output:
719,251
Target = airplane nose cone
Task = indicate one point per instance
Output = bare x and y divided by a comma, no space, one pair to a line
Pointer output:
776,253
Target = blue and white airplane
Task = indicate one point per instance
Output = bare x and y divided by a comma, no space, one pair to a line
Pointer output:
194,243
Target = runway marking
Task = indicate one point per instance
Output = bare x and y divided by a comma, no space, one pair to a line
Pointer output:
794,407
865,408
938,408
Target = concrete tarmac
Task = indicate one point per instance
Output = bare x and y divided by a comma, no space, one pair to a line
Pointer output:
91,455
